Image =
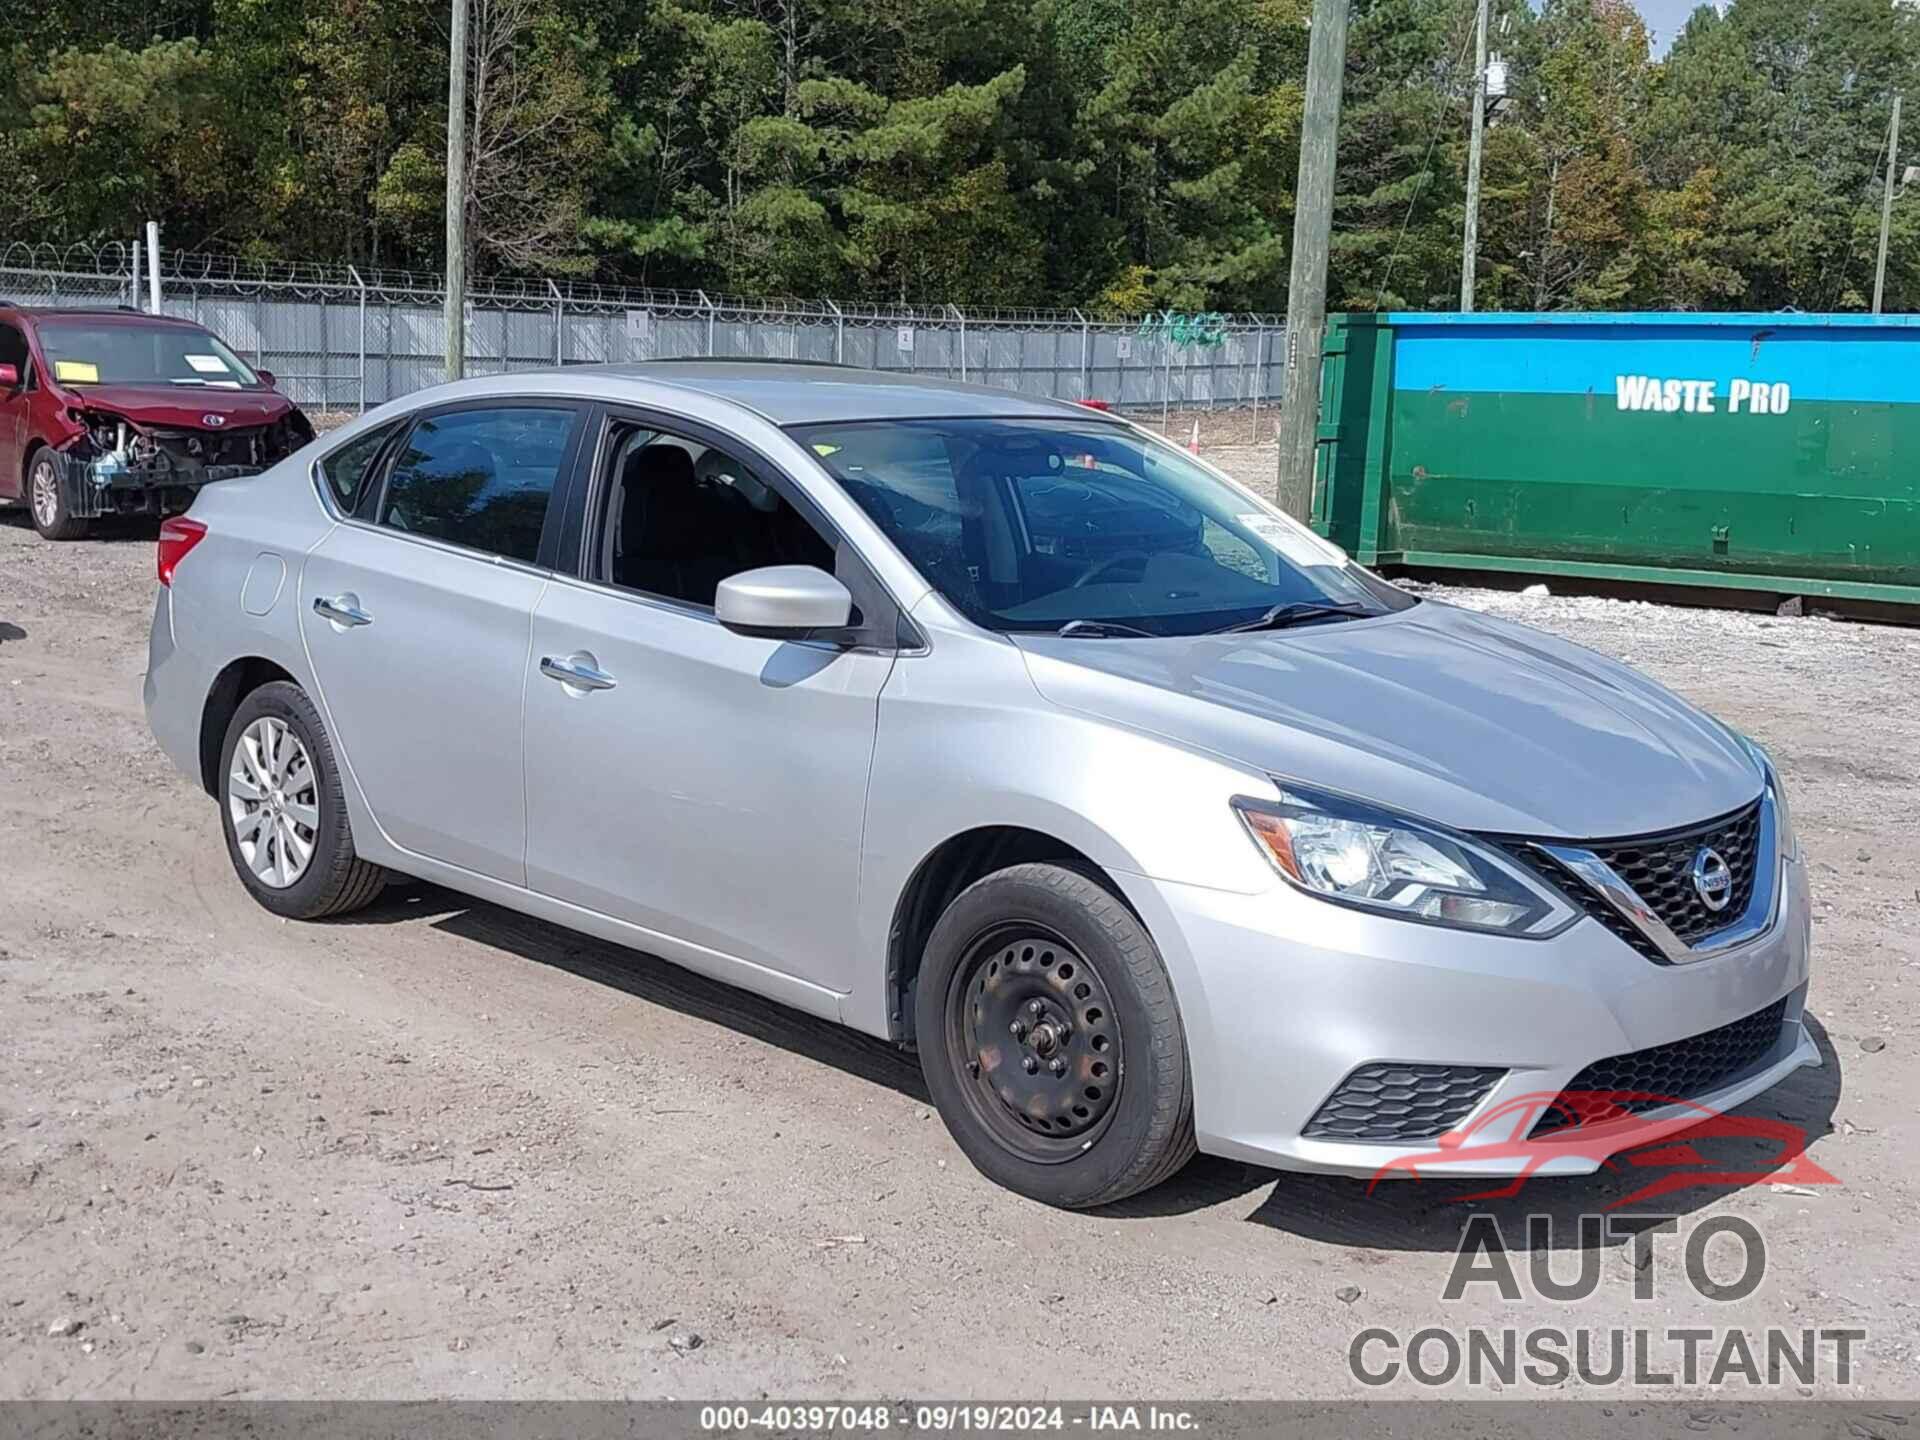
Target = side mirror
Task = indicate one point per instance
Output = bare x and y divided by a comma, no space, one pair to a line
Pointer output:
266,376
782,602
9,377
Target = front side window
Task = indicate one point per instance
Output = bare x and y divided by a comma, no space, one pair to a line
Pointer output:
105,352
13,349
1032,525
479,478
682,516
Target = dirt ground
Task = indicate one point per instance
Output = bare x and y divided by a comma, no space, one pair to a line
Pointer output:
441,1150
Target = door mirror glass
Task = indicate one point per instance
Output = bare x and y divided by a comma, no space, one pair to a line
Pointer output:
266,377
9,377
782,602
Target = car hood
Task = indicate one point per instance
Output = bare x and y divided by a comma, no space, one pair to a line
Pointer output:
183,406
1471,721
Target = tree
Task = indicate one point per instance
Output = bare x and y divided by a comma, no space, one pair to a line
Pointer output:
534,137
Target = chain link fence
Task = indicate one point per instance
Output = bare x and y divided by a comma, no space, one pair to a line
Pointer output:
339,339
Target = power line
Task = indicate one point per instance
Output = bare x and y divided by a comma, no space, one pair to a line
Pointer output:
1426,169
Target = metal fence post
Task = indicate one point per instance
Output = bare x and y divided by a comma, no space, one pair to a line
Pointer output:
559,324
839,334
1166,343
1259,376
1086,356
361,286
960,315
710,319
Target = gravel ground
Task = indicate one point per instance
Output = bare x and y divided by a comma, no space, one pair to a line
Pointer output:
444,1150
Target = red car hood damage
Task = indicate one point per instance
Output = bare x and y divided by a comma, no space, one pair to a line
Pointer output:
184,406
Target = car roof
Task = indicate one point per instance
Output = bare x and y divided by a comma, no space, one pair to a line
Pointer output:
798,393
112,315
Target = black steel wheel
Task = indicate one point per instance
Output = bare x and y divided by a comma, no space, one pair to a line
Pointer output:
1031,1025
1050,1039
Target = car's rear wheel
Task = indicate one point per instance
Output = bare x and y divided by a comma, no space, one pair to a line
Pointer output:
284,813
47,501
1050,1039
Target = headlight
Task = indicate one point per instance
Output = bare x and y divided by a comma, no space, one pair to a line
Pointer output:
1352,854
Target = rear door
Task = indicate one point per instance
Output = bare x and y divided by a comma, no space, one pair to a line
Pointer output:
416,614
705,785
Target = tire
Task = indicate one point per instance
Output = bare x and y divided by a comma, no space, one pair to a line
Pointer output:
47,500
1118,1119
291,847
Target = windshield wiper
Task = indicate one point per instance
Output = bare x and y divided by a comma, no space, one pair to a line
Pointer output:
1281,617
1098,629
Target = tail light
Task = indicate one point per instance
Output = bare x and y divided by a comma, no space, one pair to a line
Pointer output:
178,535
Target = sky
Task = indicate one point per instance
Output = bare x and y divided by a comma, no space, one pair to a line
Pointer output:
1665,18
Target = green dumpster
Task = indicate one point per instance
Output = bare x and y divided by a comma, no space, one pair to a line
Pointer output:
1756,452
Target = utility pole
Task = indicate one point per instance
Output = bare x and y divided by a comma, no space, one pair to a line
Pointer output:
1470,246
457,195
1307,278
1886,205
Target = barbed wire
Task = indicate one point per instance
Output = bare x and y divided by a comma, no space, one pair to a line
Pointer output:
299,279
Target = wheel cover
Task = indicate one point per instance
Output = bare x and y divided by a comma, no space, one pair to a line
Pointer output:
46,495
273,802
1034,1042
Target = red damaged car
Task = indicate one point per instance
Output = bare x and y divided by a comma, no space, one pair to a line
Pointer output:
113,412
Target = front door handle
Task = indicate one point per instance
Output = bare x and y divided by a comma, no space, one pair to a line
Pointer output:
578,672
341,610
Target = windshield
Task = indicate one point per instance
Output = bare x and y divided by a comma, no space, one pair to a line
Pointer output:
104,353
1031,525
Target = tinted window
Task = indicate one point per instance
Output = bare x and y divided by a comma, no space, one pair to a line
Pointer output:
683,516
346,468
479,478
119,353
13,349
1034,524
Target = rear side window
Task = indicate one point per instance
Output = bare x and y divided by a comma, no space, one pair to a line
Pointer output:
479,478
347,468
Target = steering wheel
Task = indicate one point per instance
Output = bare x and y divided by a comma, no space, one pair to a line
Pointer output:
1099,568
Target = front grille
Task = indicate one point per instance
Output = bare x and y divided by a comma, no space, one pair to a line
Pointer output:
1387,1101
1659,868
1644,1080
1583,895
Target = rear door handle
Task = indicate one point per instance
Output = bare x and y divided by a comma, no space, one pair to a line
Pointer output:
341,610
576,671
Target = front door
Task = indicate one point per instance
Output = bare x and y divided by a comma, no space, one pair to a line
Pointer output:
13,412
701,784
417,617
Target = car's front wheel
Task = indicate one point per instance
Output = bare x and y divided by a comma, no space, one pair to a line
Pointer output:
283,811
1050,1039
47,501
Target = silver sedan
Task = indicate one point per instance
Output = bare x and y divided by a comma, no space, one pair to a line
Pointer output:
1002,729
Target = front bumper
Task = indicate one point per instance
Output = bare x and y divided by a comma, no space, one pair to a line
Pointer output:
1284,996
94,487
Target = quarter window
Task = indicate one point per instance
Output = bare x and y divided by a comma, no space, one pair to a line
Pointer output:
480,478
346,468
